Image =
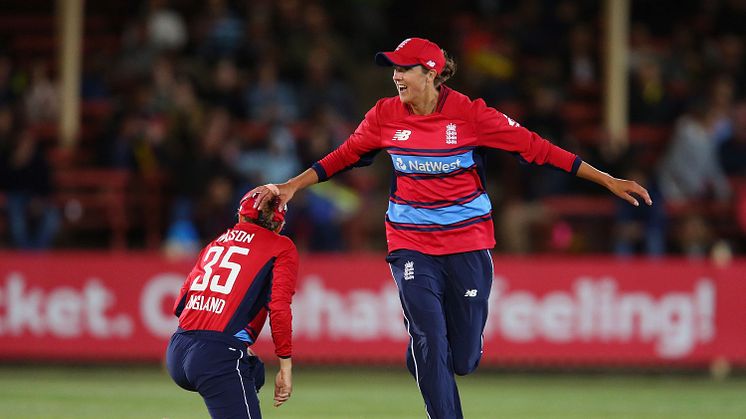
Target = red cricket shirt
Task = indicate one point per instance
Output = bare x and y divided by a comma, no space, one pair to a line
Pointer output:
239,277
438,204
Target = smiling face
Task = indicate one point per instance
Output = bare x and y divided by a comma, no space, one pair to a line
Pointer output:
413,83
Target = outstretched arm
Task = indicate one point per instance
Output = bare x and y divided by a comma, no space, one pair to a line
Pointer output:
620,187
284,190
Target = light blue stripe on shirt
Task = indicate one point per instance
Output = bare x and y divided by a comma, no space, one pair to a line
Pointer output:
399,213
431,164
244,336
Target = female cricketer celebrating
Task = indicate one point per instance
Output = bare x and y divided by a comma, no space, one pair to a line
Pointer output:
242,276
439,221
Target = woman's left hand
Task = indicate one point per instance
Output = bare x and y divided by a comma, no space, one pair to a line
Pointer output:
626,189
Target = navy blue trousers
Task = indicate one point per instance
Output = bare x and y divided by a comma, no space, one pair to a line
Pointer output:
218,367
444,299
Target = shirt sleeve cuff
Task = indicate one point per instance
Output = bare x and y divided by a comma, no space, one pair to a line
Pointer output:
576,165
320,172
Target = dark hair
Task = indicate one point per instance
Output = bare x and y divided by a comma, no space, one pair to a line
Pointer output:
265,218
449,69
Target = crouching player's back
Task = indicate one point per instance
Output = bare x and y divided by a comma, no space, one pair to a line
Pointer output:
243,276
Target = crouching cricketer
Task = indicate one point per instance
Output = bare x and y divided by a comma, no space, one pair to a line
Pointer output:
245,274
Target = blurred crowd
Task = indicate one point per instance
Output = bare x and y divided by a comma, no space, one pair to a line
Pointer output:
215,97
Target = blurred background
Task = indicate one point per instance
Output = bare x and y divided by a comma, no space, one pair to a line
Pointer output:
130,129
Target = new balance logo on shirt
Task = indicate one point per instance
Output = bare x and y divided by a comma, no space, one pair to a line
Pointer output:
401,135
471,293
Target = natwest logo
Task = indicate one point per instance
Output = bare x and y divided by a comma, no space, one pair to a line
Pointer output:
430,166
63,312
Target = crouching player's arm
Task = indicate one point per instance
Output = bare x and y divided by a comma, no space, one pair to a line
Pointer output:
284,274
284,381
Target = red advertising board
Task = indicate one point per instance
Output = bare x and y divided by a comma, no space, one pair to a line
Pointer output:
548,311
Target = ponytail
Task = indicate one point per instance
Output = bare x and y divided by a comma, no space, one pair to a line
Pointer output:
449,69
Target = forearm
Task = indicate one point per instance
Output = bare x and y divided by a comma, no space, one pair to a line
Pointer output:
303,180
286,364
623,188
588,172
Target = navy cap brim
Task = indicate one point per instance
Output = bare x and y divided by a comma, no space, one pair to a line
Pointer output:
383,59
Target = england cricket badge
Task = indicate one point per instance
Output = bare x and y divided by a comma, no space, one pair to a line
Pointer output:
451,136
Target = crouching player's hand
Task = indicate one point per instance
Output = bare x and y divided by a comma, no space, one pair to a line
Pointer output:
284,382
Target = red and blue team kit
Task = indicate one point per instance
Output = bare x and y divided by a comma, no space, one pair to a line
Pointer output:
438,203
239,277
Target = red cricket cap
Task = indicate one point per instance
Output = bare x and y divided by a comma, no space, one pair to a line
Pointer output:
414,51
246,208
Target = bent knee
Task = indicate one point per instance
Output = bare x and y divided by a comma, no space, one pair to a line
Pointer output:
465,368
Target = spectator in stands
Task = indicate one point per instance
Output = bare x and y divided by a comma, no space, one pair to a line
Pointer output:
271,100
721,97
326,129
219,31
41,101
136,57
8,92
276,158
731,60
217,205
733,159
733,150
163,85
186,121
490,61
649,101
165,26
690,172
94,80
642,227
225,89
322,87
581,61
209,162
258,41
33,218
690,166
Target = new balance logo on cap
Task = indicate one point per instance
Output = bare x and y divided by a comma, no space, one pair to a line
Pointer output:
402,135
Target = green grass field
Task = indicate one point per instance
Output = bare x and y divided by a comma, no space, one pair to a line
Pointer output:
147,392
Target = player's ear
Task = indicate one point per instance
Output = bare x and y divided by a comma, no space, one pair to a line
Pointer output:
431,74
